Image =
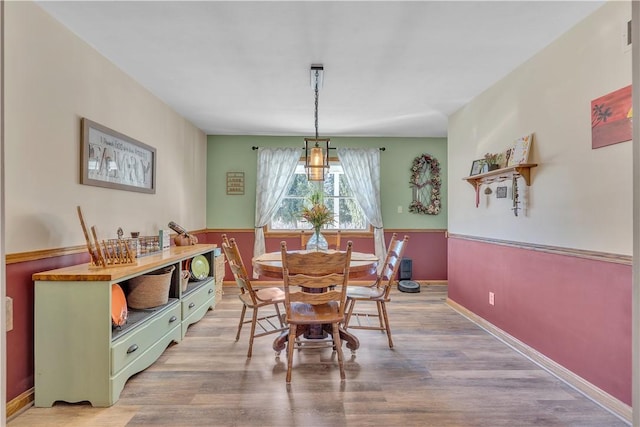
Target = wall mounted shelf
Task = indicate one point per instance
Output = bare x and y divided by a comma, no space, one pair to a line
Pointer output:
498,175
522,170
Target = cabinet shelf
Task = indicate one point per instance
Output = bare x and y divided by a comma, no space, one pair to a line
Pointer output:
79,355
498,175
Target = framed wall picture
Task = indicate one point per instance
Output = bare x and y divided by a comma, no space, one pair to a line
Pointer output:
612,118
113,160
476,167
235,183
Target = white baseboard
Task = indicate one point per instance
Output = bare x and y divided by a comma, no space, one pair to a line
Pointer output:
602,398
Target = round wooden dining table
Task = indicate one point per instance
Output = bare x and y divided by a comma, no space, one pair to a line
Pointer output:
361,265
270,264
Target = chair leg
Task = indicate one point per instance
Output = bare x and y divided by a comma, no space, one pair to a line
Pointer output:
254,320
279,315
338,346
290,345
244,310
380,318
386,322
350,304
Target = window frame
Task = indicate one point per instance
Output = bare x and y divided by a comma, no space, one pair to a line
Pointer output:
269,232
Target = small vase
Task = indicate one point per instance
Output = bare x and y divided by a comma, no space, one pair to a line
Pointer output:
317,242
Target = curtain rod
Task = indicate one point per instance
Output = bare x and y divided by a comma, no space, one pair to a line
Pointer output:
330,148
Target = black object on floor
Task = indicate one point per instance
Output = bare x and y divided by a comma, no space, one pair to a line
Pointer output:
405,269
408,286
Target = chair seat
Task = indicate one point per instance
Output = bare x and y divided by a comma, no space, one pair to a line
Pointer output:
265,295
310,314
365,292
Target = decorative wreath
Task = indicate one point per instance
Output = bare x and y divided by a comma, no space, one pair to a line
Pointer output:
421,165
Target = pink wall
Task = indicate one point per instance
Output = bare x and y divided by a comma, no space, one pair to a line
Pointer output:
20,340
427,250
575,311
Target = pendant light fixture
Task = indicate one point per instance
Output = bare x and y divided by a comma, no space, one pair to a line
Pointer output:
316,150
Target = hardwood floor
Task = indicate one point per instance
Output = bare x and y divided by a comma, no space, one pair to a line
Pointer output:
444,371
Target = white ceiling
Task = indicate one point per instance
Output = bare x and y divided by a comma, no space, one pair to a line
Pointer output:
392,68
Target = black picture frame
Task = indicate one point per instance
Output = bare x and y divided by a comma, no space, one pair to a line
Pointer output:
476,167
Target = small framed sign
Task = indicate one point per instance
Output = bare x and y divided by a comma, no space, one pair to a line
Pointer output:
476,167
235,183
501,192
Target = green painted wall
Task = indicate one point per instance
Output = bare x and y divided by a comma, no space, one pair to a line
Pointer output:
234,154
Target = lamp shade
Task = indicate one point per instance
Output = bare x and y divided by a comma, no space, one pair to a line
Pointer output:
316,158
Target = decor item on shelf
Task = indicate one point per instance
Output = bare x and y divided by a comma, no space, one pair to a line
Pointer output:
506,155
164,239
516,200
119,311
510,172
492,161
520,150
425,182
151,289
476,167
316,151
109,253
183,238
185,275
199,267
318,215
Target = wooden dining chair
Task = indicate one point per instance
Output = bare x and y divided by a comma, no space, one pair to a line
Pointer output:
255,299
314,303
333,239
378,292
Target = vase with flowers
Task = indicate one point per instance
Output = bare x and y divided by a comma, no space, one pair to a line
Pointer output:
318,215
492,161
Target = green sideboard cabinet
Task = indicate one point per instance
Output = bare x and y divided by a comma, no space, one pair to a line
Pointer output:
79,355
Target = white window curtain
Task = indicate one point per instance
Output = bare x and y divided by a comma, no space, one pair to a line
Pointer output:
362,169
276,167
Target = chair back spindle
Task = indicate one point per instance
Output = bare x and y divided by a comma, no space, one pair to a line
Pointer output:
315,289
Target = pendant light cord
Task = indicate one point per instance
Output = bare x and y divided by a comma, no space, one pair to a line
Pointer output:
316,104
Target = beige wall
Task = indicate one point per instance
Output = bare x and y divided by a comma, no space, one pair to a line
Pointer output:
52,80
580,198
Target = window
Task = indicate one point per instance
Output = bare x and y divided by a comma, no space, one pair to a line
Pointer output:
337,196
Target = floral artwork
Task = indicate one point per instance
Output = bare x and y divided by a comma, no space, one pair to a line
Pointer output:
611,117
519,153
426,182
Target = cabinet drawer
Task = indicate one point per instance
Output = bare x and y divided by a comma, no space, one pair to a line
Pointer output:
195,299
133,345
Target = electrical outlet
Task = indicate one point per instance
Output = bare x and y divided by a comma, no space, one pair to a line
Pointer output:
491,298
400,209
